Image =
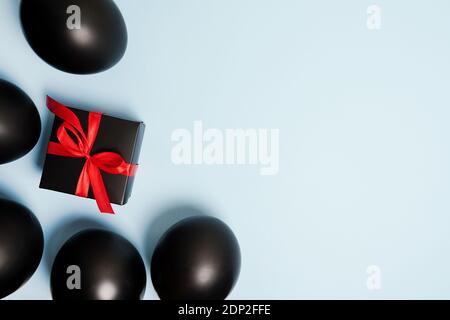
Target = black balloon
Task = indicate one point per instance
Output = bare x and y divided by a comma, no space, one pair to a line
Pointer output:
98,265
20,124
197,259
76,36
21,246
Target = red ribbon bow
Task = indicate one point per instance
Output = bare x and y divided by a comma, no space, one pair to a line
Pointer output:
81,147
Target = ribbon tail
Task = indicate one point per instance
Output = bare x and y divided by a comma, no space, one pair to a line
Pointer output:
99,190
84,181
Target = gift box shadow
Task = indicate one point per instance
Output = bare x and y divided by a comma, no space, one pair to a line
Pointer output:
164,221
63,232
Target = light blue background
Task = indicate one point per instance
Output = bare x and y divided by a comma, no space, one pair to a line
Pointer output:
364,119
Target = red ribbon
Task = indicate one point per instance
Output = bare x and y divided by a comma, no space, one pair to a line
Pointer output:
81,147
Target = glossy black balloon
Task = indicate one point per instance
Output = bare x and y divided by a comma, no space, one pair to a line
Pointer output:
110,268
20,124
21,246
197,259
93,43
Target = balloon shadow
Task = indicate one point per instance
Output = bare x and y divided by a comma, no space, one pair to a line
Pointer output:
15,7
41,148
65,230
7,77
7,194
164,221
47,123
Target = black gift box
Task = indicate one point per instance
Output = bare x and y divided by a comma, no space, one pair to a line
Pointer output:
114,135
